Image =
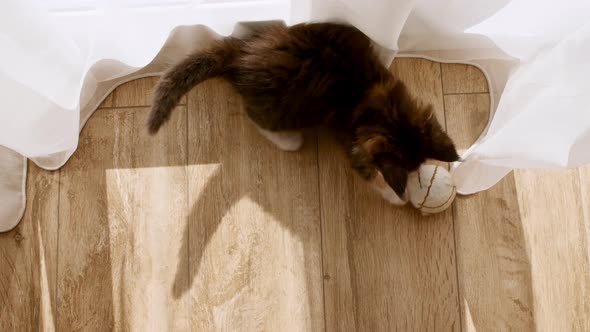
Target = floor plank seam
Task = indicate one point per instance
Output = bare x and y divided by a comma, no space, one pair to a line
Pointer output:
585,216
466,93
131,107
56,289
187,218
453,214
317,143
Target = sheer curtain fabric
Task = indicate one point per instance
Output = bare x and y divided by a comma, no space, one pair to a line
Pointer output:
61,58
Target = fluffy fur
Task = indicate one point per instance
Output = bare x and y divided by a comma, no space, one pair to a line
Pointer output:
319,74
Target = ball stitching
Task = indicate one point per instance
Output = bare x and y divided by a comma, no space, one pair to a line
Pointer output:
429,187
448,199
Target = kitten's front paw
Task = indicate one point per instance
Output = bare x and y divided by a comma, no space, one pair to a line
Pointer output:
386,192
284,140
390,196
289,141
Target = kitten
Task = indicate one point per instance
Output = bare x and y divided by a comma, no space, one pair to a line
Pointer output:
309,75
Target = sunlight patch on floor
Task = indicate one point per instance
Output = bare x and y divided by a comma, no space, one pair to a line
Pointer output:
146,218
468,323
47,319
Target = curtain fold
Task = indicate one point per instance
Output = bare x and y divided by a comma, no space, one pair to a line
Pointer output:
60,58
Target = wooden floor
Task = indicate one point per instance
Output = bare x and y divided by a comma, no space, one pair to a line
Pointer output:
208,227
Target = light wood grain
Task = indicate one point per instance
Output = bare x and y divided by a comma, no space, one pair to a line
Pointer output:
28,259
461,79
254,226
494,269
133,94
128,237
385,268
423,78
122,211
552,215
584,183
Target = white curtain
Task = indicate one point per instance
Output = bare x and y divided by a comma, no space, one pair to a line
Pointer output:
60,58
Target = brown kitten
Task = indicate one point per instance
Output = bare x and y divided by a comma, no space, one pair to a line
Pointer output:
319,74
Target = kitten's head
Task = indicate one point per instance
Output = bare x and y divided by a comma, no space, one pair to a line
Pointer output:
395,134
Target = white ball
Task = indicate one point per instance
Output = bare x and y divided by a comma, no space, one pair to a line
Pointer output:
431,189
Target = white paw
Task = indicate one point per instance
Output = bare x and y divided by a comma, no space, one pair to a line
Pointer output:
390,196
386,191
284,140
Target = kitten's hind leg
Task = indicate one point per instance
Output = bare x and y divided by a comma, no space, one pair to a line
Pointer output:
284,140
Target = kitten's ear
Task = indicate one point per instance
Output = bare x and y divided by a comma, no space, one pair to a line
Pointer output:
396,177
442,147
374,145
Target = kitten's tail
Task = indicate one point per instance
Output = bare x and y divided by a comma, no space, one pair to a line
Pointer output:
182,77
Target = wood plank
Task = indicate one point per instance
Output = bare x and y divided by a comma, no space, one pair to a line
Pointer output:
584,183
385,268
133,94
122,211
28,259
461,78
423,78
254,226
551,210
494,268
466,117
